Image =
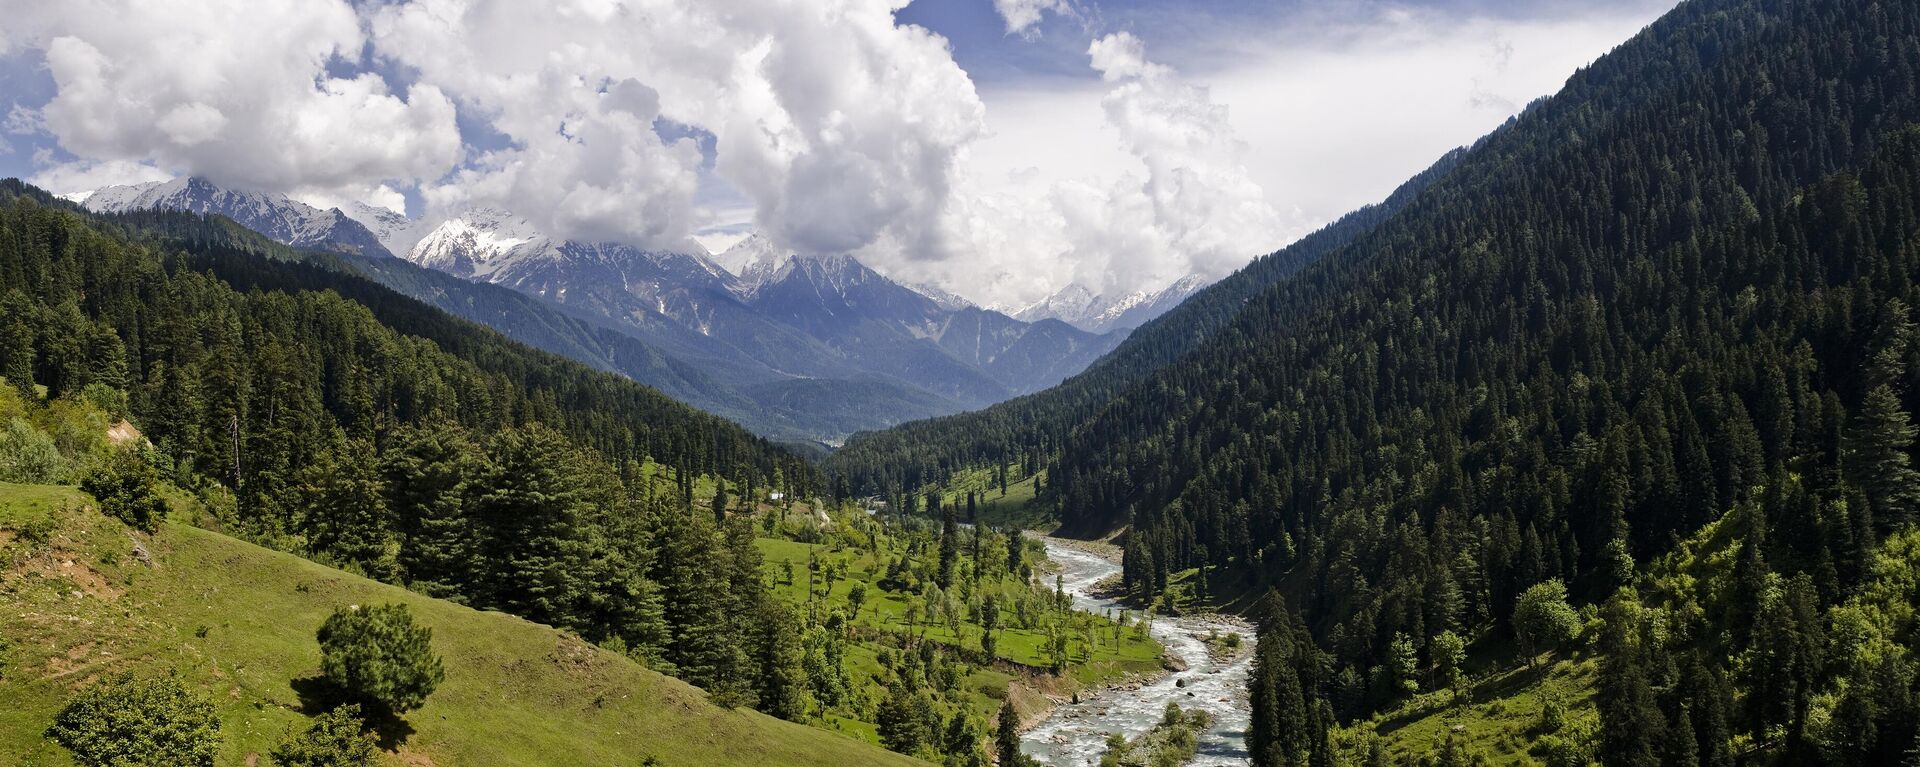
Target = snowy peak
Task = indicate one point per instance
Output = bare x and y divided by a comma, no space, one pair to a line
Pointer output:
279,217
753,260
480,242
1081,308
394,230
1069,304
492,245
946,300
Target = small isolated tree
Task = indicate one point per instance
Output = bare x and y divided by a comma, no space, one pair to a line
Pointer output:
337,738
128,490
1542,619
122,721
379,658
1449,653
1404,664
856,597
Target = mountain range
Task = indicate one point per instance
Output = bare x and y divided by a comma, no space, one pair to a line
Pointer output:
800,348
1104,313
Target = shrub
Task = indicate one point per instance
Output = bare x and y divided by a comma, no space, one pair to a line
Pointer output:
27,455
337,738
376,656
128,490
122,721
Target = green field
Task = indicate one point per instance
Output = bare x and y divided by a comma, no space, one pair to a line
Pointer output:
236,622
818,574
1015,507
1522,715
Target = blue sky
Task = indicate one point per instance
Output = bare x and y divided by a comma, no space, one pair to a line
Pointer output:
1002,165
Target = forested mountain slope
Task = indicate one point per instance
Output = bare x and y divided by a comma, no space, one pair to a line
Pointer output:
1679,291
212,329
1024,430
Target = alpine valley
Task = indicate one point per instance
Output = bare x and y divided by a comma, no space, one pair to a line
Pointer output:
1590,442
798,348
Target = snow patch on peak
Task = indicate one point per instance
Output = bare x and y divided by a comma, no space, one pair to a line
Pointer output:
479,242
946,299
275,215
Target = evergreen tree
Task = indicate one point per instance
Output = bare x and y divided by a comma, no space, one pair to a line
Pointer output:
1877,457
1007,739
337,738
429,474
377,656
949,547
535,511
1631,726
343,512
124,721
785,690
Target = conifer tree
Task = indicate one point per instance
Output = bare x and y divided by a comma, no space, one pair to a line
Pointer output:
1877,460
429,476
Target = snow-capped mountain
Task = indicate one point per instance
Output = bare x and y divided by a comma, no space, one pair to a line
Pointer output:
753,260
1081,308
814,346
277,216
947,300
394,230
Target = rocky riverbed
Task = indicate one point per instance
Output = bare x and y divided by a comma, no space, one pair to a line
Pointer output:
1074,734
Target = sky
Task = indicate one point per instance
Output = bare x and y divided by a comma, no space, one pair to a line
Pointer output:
1001,149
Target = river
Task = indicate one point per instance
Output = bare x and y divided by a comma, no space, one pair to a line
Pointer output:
1075,734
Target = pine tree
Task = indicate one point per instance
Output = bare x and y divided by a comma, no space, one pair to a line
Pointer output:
535,510
949,547
343,510
1631,726
1007,739
427,473
784,687
1876,457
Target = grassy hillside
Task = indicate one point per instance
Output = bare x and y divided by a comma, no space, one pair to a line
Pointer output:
236,622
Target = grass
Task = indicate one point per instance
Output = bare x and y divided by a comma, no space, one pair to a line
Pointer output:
236,622
888,610
1019,655
1502,718
1015,507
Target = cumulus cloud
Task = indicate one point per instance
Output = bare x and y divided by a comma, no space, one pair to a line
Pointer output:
1186,203
1022,15
839,126
236,90
87,175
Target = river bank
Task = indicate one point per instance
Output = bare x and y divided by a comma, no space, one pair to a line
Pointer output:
1201,675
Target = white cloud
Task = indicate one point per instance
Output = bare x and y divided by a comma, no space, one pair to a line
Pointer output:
87,175
1022,15
833,129
1330,118
236,90
839,126
1182,203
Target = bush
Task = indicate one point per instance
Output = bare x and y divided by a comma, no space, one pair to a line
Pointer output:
128,490
27,455
376,656
122,721
337,738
